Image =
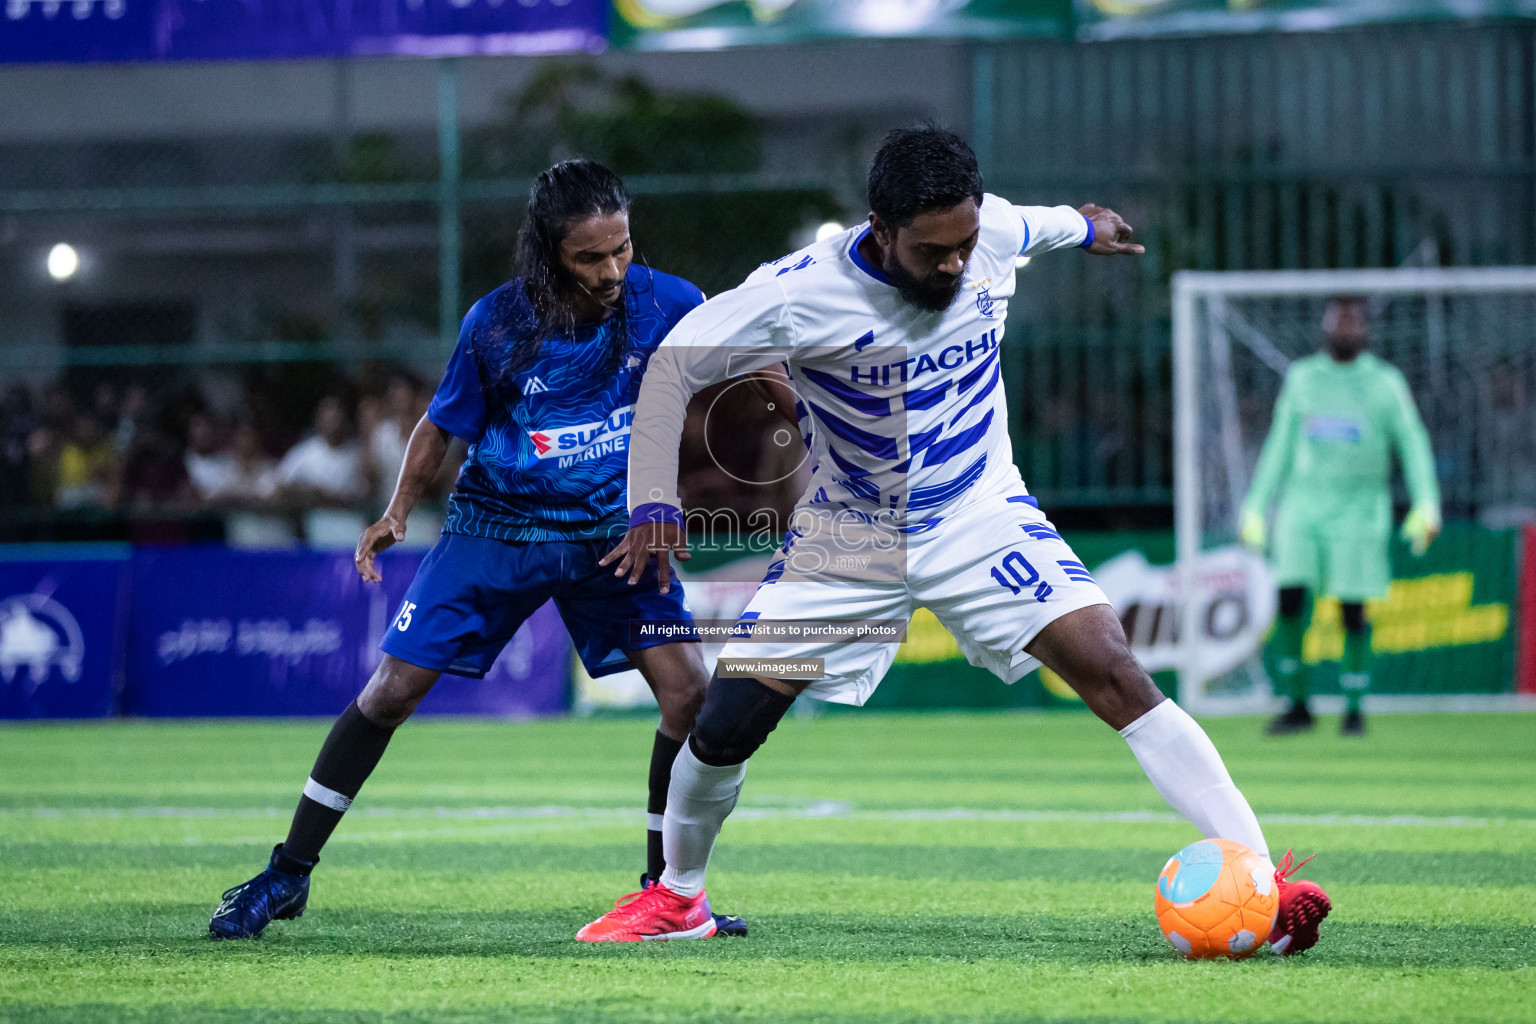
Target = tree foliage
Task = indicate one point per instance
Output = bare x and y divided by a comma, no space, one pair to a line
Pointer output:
577,109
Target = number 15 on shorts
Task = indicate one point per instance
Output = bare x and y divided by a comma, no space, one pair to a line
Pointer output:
1018,575
403,620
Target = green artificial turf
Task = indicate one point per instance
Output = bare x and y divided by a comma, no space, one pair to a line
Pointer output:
983,867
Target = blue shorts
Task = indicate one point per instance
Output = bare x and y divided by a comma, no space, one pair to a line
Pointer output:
471,594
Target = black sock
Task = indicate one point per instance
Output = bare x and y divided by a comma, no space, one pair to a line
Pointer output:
347,758
663,753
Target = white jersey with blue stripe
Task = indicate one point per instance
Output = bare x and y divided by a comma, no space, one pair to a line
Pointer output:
906,411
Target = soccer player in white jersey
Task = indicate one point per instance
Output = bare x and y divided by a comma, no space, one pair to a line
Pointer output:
891,335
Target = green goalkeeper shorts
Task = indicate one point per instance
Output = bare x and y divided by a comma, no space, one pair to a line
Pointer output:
1349,561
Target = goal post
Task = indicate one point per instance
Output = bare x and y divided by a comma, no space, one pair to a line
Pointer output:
1465,340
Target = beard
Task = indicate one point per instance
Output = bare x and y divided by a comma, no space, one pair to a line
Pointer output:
935,295
1345,349
607,295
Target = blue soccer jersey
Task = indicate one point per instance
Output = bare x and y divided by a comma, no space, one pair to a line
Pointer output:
549,440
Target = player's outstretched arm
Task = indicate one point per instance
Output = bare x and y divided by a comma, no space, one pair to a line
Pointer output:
1111,234
1098,229
424,455
1422,525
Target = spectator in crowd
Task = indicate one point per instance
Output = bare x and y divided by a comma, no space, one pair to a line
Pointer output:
252,476
87,468
154,478
55,415
207,461
16,423
386,426
327,475
228,468
104,404
243,487
129,414
326,468
387,423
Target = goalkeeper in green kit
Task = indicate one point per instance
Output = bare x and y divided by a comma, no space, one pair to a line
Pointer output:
1328,459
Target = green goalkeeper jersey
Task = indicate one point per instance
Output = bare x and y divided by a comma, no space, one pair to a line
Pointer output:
1331,441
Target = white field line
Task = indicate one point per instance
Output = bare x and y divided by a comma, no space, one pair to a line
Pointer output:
819,809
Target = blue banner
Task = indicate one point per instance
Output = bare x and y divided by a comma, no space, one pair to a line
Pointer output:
61,632
218,632
130,30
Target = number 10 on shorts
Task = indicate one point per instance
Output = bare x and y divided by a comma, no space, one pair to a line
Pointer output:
1017,574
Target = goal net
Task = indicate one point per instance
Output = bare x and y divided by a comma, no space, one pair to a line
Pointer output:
1465,340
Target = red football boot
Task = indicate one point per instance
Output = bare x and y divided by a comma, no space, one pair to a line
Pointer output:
1303,905
654,913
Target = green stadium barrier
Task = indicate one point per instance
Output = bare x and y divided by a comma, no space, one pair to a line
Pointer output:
1446,627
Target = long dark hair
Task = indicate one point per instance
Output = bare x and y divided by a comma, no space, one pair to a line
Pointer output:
569,191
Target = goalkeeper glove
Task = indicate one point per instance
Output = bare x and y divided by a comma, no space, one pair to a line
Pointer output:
1252,531
1421,526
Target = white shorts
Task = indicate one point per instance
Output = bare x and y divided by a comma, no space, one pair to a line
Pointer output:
995,574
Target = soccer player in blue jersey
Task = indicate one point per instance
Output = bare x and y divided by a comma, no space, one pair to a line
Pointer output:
542,386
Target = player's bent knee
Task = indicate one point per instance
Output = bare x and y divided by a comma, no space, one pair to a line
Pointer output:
394,691
677,676
680,709
1132,683
1119,691
737,717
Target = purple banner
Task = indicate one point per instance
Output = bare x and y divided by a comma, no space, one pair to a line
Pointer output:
61,636
218,632
128,30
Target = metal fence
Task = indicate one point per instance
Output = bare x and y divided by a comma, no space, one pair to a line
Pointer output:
1362,148
1358,148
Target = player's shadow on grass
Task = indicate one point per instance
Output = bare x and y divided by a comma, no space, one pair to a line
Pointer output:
479,860
1074,864
904,861
176,931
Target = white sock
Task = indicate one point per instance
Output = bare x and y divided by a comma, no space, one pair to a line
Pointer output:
698,801
1184,768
